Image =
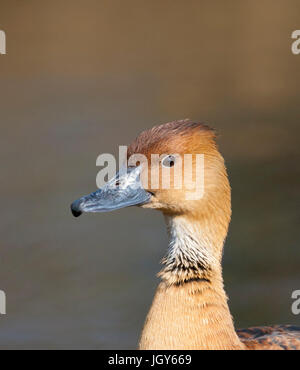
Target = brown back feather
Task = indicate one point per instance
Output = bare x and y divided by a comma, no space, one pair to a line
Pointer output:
279,337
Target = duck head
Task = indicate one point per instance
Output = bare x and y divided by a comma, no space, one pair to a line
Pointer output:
160,153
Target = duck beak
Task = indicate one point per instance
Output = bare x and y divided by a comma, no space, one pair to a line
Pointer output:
124,190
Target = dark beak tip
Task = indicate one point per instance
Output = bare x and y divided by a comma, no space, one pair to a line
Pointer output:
76,212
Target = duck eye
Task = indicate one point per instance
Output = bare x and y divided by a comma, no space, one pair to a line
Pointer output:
168,161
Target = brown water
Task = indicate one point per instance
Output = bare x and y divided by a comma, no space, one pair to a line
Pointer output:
81,78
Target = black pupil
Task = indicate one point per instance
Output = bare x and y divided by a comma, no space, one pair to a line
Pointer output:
170,161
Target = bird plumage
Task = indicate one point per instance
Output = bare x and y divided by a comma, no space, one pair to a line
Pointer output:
190,309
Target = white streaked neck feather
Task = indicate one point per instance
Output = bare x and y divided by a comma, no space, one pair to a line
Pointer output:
190,253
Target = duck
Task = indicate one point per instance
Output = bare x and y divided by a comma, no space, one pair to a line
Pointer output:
190,308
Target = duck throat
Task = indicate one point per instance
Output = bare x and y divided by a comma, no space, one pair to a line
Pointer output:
193,252
190,309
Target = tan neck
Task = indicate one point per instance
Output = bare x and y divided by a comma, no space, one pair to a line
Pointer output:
193,315
190,309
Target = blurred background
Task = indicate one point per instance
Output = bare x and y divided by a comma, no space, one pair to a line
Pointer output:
81,78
